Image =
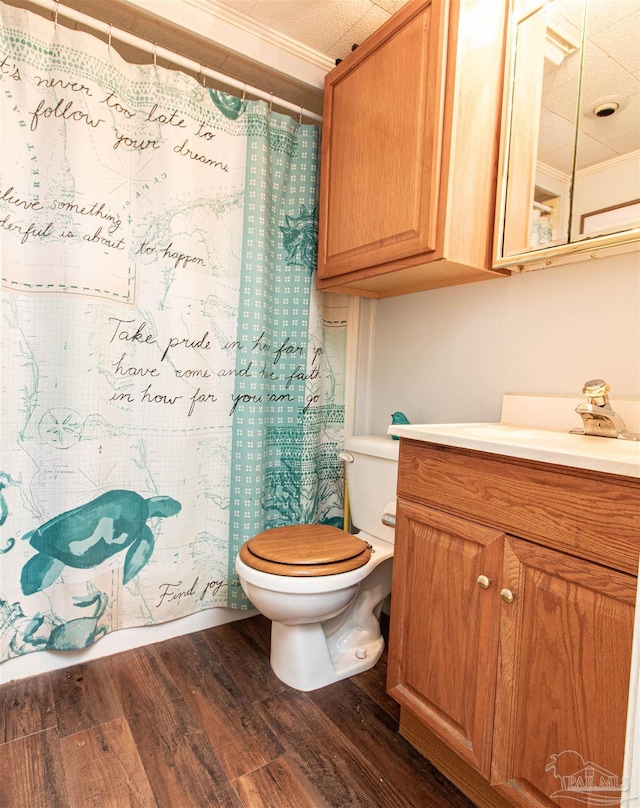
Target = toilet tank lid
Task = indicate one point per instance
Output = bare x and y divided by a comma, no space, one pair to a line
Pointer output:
376,445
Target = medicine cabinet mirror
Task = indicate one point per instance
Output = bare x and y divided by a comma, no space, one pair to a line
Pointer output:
570,150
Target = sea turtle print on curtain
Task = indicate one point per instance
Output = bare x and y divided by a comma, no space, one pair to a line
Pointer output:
171,378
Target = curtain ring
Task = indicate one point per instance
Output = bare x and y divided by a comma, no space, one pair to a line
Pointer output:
300,115
55,18
155,54
244,91
271,103
110,27
204,78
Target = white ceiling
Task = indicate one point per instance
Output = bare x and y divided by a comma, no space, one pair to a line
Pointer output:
611,72
328,26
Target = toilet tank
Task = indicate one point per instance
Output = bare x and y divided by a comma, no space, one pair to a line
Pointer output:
371,481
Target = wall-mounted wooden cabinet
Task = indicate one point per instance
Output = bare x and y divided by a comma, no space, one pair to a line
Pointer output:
409,152
512,622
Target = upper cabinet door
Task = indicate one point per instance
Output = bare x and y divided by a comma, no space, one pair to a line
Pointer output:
410,150
570,151
381,160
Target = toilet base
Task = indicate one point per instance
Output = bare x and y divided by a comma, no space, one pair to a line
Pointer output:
313,655
301,655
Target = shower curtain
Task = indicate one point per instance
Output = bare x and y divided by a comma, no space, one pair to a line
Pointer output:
172,382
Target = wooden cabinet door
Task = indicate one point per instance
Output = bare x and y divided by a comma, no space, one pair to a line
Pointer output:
444,627
381,144
565,655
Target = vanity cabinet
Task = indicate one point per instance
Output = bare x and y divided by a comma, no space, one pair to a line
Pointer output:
512,621
409,152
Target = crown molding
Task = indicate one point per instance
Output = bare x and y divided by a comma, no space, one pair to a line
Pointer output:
243,23
237,34
630,158
552,172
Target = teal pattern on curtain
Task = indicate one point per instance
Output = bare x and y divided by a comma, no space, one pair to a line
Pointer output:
289,413
172,381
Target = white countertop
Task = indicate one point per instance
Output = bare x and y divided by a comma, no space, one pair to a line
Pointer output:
609,455
557,445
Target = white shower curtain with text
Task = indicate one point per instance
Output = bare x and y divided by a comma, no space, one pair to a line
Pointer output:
172,382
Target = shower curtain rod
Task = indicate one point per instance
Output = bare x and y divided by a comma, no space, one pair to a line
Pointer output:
151,47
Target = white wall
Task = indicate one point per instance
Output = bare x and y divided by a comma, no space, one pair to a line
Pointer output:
449,355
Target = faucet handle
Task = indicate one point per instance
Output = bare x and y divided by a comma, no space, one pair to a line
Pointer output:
597,415
596,391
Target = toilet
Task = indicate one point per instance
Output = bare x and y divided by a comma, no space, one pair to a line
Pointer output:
323,588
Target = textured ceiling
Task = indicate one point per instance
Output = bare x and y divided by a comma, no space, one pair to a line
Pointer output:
328,26
611,72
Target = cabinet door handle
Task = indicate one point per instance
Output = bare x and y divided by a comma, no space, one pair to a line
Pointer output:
507,595
484,582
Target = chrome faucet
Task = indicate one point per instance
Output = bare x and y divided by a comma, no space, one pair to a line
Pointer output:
597,415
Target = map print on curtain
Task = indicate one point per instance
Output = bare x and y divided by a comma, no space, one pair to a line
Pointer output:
172,382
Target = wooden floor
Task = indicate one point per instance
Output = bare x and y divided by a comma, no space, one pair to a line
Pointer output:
201,721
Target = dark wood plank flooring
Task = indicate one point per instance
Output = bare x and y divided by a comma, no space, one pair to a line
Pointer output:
201,721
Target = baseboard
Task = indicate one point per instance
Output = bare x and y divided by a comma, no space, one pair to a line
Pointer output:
123,640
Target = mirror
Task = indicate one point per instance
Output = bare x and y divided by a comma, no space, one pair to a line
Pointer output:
571,143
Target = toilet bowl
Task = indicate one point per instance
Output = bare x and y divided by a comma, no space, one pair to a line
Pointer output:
323,588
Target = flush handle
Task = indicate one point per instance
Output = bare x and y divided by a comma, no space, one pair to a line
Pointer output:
484,582
507,595
388,517
346,457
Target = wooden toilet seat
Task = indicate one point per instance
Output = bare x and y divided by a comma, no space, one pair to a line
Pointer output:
305,550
